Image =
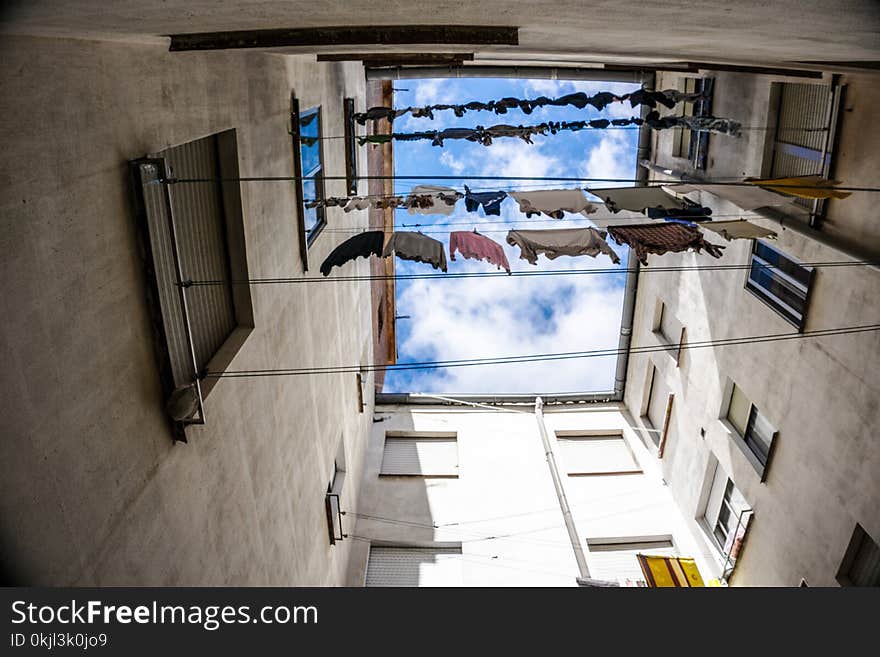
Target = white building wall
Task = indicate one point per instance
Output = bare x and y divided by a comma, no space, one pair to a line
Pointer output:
822,394
503,509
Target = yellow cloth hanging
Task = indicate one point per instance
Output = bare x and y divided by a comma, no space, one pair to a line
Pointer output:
807,186
670,571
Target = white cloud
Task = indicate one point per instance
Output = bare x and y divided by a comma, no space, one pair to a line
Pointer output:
484,318
612,157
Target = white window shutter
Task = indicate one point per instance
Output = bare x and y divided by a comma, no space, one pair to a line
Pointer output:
406,566
420,456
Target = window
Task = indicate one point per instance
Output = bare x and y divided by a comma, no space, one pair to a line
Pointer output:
193,232
615,559
690,144
861,563
585,455
351,152
658,400
726,516
414,566
753,430
420,456
309,166
780,282
668,330
334,495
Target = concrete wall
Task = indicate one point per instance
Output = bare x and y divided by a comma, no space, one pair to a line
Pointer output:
748,31
503,508
822,394
93,491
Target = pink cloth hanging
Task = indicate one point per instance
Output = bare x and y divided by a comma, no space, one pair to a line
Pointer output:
479,247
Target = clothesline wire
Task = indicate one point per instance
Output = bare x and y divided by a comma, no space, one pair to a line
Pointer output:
485,221
546,357
610,127
528,274
652,183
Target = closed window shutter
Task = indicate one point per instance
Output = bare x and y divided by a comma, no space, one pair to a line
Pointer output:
596,455
200,225
670,327
738,413
657,405
397,566
420,456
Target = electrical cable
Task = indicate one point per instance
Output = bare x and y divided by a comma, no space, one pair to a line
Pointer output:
617,271
652,183
544,357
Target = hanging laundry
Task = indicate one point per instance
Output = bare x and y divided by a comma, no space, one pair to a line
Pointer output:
484,136
559,242
744,196
441,199
715,124
739,230
604,218
662,238
416,247
553,202
491,201
668,97
329,202
636,199
360,246
806,186
359,203
696,213
477,247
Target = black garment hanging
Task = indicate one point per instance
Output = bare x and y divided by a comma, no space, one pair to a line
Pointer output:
360,246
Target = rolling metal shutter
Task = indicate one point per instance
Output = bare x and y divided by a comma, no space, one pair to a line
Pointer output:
596,455
420,456
804,132
200,225
405,566
610,561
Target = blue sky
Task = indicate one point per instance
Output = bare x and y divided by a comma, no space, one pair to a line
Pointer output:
501,316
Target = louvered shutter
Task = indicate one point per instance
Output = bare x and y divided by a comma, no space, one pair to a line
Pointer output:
420,456
200,226
596,455
405,566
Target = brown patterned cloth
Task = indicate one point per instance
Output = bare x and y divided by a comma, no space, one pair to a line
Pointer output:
662,238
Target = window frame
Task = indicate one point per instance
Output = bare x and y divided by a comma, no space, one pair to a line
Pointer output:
307,237
769,299
154,168
859,536
744,439
709,520
351,148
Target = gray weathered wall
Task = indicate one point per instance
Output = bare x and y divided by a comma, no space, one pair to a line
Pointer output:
93,491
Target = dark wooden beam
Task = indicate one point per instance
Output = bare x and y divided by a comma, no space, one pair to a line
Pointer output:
401,59
346,36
